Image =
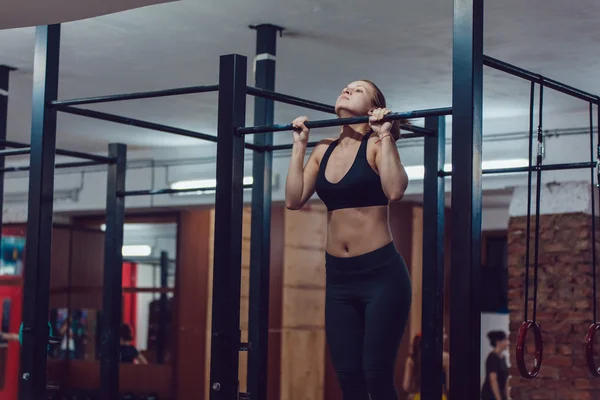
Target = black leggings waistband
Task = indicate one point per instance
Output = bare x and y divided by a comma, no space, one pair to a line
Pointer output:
362,261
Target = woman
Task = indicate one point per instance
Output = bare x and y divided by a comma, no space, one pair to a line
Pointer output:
129,353
412,370
368,288
495,386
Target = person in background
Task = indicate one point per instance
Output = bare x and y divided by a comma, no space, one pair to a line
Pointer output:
495,386
129,353
412,370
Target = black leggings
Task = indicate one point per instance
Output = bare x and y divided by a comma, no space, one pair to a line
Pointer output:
367,304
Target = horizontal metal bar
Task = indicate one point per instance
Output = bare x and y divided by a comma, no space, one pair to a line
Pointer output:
138,95
289,146
169,191
415,132
284,98
540,79
79,164
254,147
313,144
346,121
548,167
145,124
136,122
61,152
14,152
85,156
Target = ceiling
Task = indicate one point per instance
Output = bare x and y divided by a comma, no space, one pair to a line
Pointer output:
404,46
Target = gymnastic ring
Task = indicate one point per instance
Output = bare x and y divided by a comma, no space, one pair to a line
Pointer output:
537,361
589,349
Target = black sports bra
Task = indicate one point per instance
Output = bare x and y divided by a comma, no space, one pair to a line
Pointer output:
360,187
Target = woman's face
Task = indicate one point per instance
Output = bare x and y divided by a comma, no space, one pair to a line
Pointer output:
503,344
356,99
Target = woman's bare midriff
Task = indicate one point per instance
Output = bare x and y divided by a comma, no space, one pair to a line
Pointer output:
355,231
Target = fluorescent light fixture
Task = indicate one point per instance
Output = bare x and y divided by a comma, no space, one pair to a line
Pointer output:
137,250
417,172
204,186
203,183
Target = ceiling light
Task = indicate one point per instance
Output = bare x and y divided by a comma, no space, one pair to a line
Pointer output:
138,250
417,172
203,183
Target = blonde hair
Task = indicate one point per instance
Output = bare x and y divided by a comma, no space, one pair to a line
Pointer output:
380,102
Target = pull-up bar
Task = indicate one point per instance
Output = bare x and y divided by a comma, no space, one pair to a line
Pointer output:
434,112
540,79
135,96
14,152
422,132
142,124
79,164
61,152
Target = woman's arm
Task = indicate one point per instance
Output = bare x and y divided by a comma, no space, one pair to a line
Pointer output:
494,386
446,363
301,180
407,375
394,179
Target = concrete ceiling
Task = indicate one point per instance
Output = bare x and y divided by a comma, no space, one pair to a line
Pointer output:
22,13
404,46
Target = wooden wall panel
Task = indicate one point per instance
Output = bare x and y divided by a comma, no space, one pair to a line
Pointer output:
87,268
275,309
59,270
276,302
140,379
192,287
302,366
303,340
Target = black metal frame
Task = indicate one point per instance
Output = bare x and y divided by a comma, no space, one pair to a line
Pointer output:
42,150
432,297
468,65
260,236
225,342
39,219
4,87
467,93
163,313
113,274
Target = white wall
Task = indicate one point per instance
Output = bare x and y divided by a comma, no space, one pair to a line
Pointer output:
144,279
494,218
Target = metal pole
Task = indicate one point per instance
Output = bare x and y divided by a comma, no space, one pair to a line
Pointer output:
163,312
260,236
113,273
433,261
467,90
39,215
225,345
4,84
139,95
434,112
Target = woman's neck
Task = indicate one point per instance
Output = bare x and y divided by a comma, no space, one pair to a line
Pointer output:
355,132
